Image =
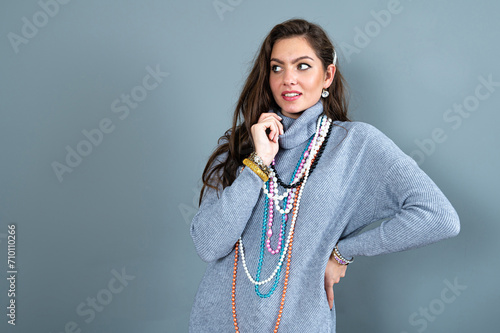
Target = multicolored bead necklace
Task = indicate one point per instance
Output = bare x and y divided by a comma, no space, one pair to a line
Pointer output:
286,203
318,140
269,224
306,164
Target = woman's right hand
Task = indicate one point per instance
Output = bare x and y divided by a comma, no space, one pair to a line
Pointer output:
266,145
333,272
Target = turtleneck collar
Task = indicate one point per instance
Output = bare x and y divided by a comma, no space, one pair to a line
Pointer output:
299,130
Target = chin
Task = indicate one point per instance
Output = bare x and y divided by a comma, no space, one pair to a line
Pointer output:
298,109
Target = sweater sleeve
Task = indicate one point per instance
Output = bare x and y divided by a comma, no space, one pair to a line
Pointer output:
417,213
221,218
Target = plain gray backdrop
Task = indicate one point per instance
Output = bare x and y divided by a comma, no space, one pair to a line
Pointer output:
110,109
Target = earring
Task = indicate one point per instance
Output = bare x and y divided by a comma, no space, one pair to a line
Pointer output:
325,93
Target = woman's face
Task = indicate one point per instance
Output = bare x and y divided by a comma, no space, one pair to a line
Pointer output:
296,76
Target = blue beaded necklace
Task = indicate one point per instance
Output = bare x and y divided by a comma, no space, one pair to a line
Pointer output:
283,227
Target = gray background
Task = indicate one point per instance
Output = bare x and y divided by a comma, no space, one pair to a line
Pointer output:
127,205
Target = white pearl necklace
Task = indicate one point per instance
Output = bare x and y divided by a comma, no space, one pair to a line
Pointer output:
319,137
277,197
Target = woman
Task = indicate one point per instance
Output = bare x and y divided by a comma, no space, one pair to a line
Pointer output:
289,188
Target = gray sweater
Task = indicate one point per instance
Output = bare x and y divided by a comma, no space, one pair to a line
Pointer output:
362,177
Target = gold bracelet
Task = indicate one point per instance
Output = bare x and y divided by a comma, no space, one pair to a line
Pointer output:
255,168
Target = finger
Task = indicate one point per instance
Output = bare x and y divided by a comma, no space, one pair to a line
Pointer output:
271,128
330,296
268,115
273,136
279,128
268,127
280,125
272,116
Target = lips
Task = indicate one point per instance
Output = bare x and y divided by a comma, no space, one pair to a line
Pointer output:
291,95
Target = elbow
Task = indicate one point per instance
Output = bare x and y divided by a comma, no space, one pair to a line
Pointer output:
454,228
209,253
206,255
202,251
209,256
448,226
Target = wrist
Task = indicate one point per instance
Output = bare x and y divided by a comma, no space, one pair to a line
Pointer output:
258,166
339,258
266,160
262,162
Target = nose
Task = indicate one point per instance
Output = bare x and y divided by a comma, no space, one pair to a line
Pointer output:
289,77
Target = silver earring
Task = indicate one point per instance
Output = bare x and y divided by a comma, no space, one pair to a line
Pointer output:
325,93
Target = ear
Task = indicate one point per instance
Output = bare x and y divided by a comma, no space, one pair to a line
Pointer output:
329,75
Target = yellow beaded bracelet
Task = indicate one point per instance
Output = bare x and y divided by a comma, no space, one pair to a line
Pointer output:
255,168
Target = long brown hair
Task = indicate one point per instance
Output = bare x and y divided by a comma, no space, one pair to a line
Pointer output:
256,98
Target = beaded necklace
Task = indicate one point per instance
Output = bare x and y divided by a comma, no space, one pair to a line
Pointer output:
307,167
284,213
268,222
306,164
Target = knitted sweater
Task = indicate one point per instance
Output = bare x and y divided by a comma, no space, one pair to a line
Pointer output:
362,177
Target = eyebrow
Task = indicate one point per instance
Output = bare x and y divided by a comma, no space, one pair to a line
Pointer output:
293,62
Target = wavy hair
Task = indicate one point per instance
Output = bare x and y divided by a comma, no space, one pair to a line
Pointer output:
256,97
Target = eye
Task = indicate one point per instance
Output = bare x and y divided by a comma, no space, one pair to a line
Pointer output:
304,66
275,68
